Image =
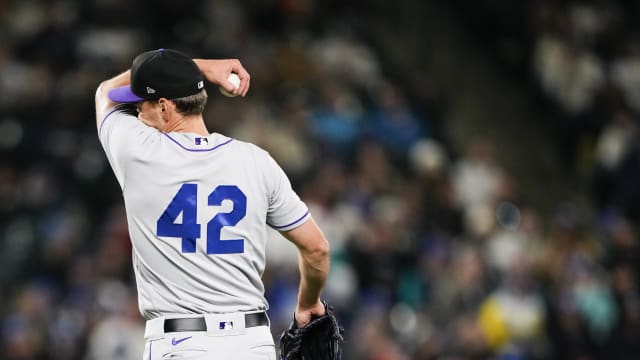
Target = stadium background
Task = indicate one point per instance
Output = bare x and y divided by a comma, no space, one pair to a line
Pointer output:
475,166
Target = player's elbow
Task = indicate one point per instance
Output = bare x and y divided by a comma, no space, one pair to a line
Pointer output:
100,91
323,248
316,260
320,250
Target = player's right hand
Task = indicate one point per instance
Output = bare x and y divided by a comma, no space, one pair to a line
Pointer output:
217,71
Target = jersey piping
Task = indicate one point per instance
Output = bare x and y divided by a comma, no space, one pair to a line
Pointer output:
105,119
196,150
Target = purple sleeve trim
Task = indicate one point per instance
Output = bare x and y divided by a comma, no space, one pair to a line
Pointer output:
293,223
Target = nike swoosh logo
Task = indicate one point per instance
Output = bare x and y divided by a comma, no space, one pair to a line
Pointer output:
175,342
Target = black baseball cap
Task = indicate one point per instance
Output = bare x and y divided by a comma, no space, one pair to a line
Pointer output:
162,73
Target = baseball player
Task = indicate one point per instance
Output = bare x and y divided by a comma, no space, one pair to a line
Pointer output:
198,205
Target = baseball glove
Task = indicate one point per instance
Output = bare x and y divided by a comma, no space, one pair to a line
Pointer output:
318,340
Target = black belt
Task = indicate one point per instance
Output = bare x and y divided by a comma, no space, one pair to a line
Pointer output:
199,324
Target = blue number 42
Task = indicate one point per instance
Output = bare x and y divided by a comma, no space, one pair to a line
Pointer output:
186,202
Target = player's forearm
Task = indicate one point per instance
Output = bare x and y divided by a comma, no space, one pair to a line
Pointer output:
116,81
313,261
103,103
314,269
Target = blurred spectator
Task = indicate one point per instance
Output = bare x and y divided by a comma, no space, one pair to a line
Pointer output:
341,56
117,336
393,123
615,140
615,144
337,121
625,73
476,179
572,76
512,317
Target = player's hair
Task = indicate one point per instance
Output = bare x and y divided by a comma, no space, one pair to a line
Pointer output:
193,104
128,108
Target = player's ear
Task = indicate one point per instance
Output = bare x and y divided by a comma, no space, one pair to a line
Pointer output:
162,103
166,104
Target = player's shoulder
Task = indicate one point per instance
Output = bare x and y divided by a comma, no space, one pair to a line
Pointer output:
257,156
249,147
121,116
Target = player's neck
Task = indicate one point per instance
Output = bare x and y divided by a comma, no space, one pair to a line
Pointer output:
189,124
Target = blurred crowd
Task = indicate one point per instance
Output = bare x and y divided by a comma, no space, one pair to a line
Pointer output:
434,255
586,58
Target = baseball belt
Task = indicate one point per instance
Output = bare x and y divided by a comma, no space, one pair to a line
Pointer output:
199,324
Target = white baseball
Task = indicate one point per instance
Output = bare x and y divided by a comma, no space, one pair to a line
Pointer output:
234,79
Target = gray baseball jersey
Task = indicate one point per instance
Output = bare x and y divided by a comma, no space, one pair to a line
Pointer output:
197,210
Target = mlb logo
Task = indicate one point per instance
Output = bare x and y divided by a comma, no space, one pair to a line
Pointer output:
226,325
200,141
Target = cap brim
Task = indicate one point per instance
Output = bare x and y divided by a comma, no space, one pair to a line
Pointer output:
124,94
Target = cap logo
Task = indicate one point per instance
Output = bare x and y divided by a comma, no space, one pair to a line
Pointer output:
150,90
200,84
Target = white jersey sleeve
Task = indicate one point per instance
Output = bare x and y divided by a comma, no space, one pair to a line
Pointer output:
286,210
120,134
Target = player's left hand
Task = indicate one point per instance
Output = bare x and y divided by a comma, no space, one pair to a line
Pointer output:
218,71
304,315
319,339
